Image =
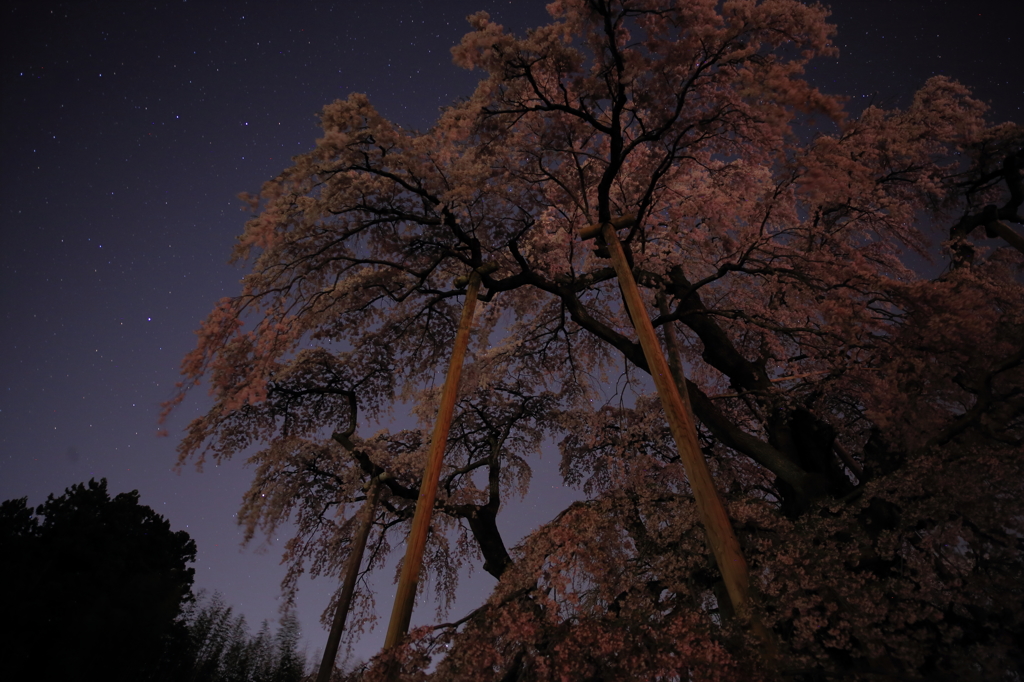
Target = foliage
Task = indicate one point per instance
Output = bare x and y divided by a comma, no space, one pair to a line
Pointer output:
853,351
93,584
222,650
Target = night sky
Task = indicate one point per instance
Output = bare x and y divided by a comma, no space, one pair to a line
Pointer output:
128,129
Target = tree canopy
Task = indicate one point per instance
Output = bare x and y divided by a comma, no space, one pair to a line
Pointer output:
94,585
850,335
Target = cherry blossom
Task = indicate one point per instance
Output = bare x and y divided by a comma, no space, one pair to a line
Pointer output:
847,295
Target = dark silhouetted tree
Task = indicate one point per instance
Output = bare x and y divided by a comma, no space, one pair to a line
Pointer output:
93,587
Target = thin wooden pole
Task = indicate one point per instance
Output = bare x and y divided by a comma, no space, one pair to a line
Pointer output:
723,542
406,594
997,228
355,559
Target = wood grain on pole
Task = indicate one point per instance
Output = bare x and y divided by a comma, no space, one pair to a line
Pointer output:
406,593
355,559
724,545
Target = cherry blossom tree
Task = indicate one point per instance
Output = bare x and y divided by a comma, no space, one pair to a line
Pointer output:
851,342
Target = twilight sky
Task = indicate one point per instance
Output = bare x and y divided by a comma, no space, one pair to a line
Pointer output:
128,128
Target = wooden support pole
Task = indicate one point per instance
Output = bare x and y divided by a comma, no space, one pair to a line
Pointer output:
591,231
355,559
406,593
998,228
724,545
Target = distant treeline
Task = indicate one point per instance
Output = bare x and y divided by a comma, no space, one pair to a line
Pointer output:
221,649
100,588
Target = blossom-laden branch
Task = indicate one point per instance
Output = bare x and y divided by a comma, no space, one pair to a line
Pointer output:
780,247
